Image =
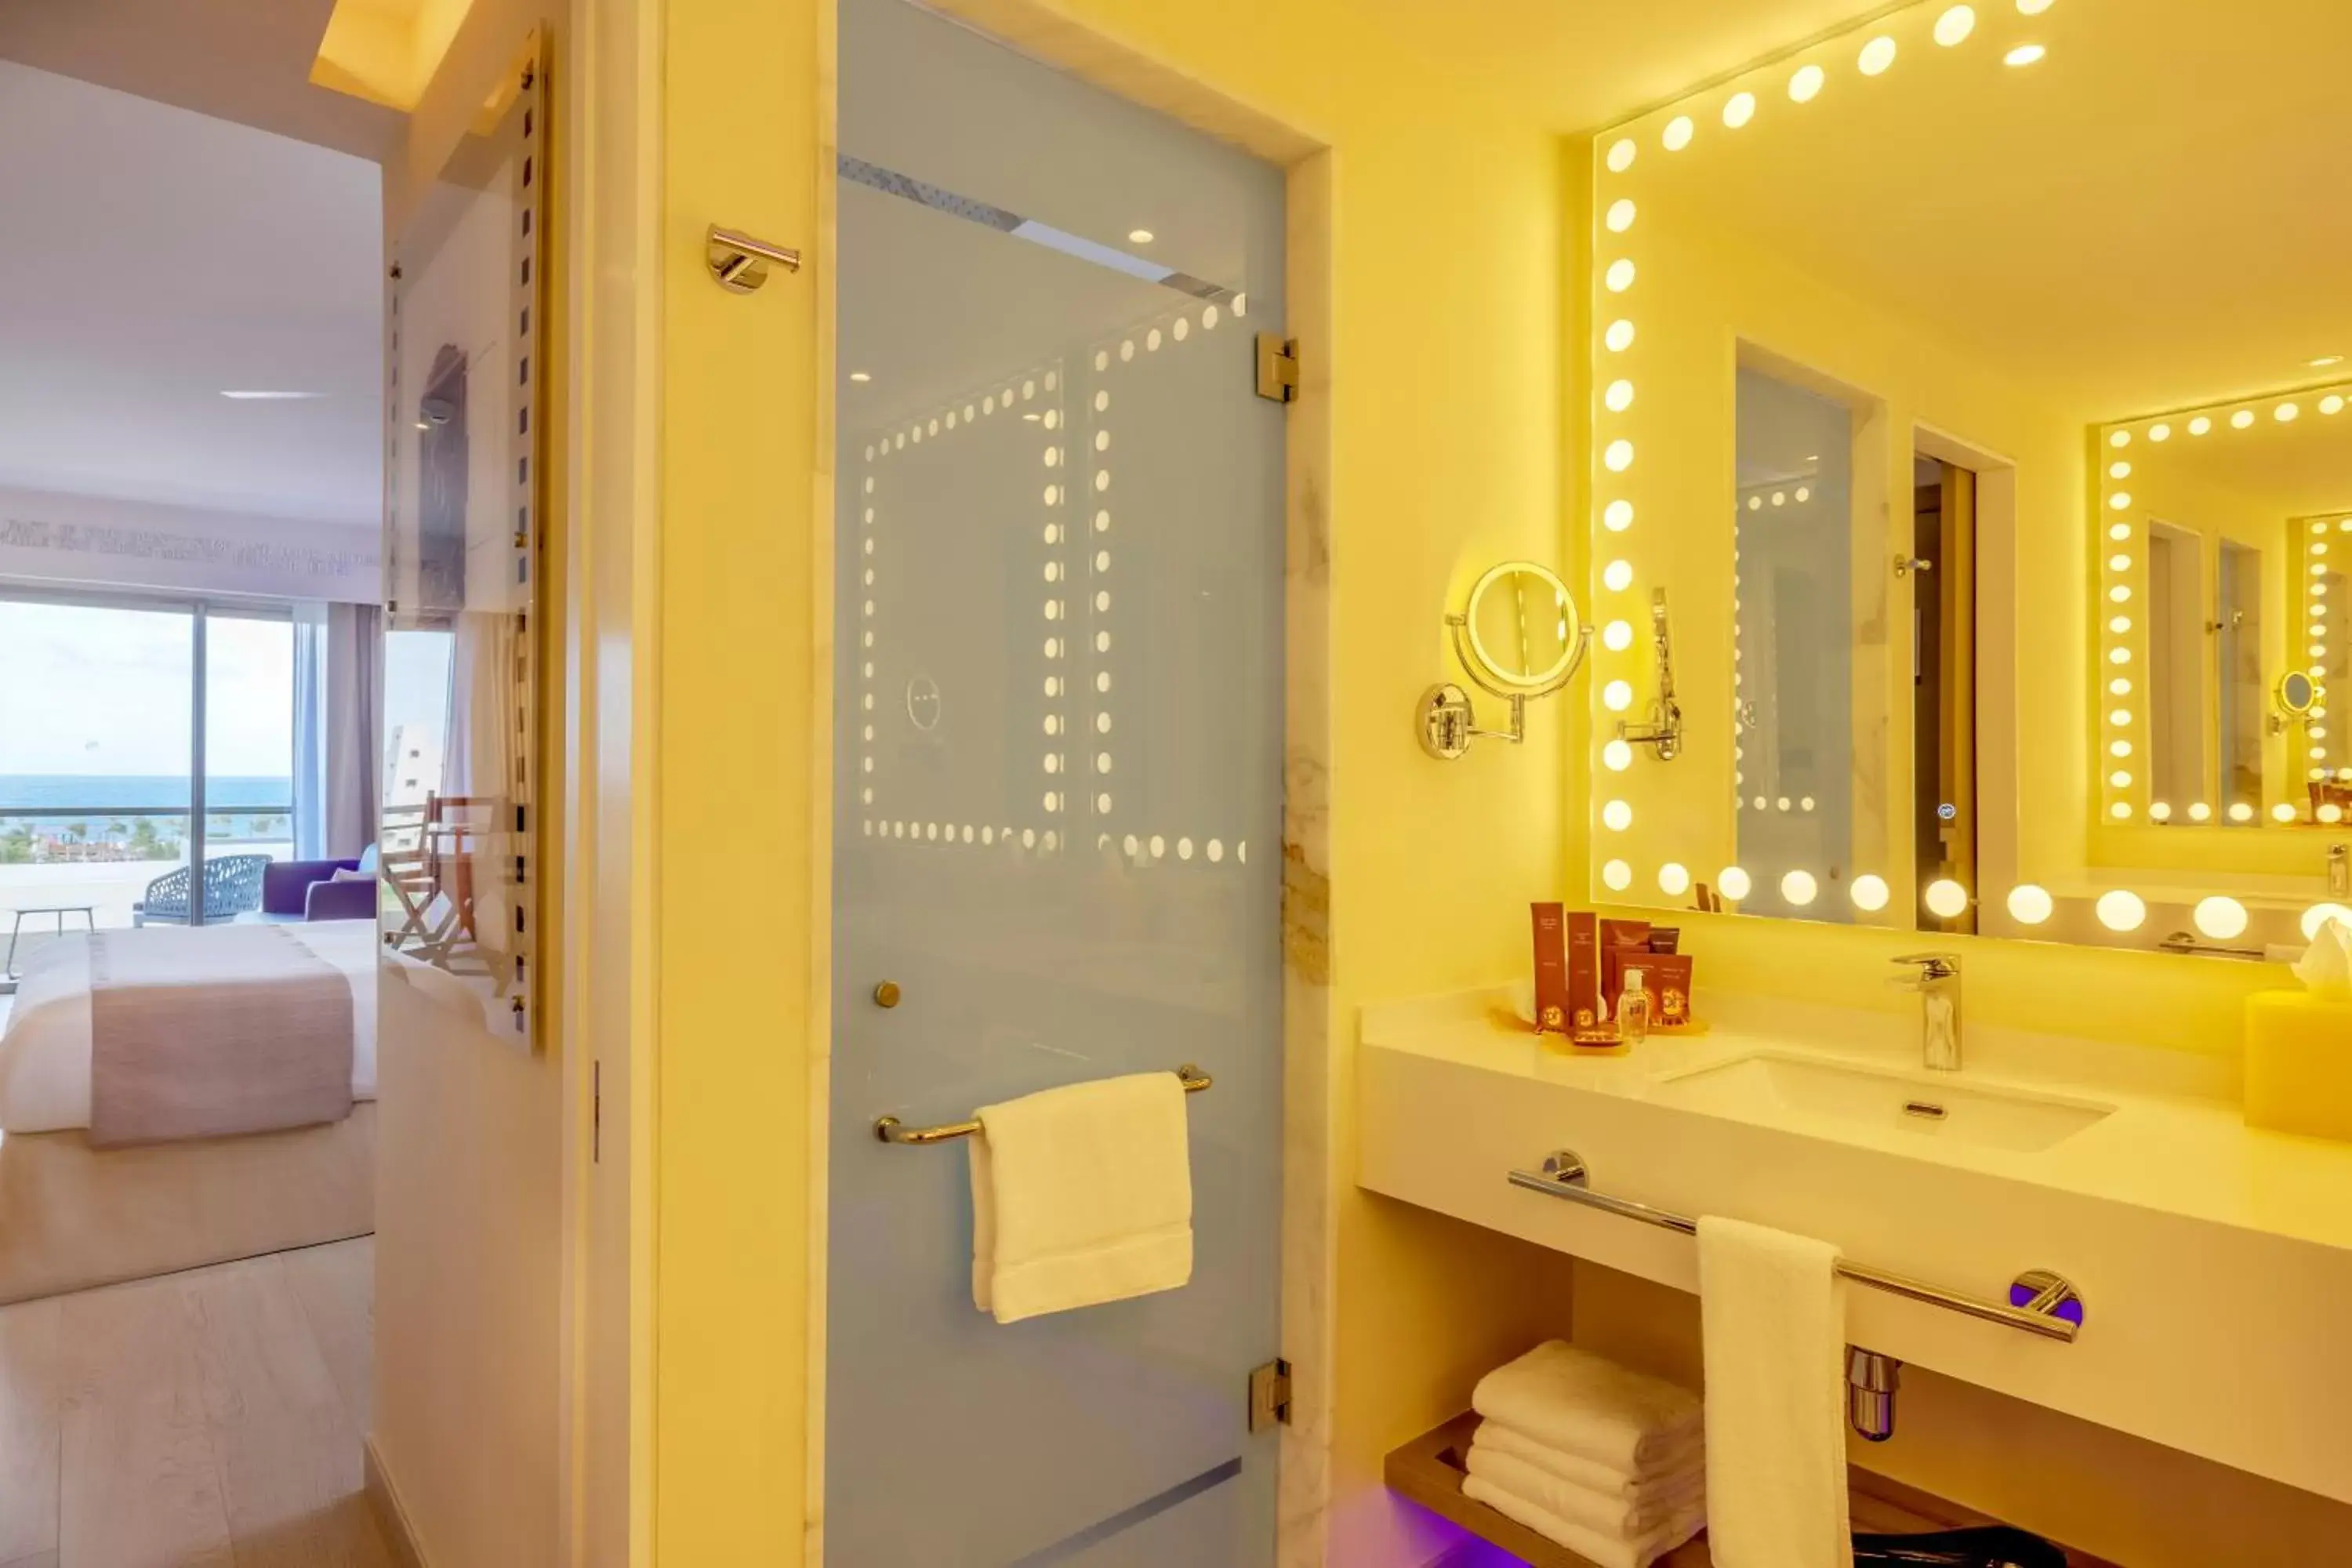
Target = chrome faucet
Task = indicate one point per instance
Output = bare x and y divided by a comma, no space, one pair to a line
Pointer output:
1939,984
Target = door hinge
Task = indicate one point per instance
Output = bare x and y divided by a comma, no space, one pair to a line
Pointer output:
1269,1395
595,1112
1278,368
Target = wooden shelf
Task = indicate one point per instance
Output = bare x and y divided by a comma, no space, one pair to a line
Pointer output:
1428,1471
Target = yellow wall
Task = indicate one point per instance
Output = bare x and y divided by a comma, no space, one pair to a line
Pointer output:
740,720
469,1426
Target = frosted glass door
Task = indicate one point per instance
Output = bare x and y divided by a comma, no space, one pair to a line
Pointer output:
1059,794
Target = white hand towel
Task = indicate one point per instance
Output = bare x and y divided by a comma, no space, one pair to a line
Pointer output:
1685,1464
1606,1551
1586,1405
1624,1518
1081,1196
1772,1316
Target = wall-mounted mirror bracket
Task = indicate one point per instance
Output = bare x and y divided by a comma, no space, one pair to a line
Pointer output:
1664,731
1519,636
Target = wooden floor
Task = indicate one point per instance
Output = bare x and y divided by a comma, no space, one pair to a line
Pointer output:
210,1419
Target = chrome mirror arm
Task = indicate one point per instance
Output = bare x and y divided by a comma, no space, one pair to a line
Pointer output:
1664,731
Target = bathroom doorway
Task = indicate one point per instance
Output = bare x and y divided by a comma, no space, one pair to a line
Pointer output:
1059,728
1943,573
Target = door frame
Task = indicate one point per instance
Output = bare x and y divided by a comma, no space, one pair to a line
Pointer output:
1308,1178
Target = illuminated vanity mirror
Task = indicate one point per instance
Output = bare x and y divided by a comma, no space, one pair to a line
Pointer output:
1518,635
1972,384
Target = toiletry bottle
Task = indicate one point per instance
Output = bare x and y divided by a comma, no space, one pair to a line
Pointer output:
1633,1007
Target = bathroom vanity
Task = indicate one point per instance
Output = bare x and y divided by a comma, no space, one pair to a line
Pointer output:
2209,1260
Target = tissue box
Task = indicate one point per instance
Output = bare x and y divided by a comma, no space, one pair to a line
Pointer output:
2299,1064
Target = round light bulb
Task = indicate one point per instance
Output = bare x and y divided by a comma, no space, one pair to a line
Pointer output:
1617,696
2121,911
1621,153
1618,456
1677,134
2201,812
2319,915
1946,898
2198,425
1806,84
1738,110
1617,577
1619,397
2030,905
1799,887
1954,24
1617,635
1617,816
1674,880
2240,812
1876,56
1617,516
1735,882
2330,814
1620,276
1869,892
2220,918
2024,55
1617,876
2159,812
1617,756
2242,419
2282,812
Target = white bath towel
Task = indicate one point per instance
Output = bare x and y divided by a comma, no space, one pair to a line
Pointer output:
1620,1516
1773,1314
1587,1404
1081,1196
1684,1464
1606,1551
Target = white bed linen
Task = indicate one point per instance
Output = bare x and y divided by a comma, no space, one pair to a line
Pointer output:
45,1053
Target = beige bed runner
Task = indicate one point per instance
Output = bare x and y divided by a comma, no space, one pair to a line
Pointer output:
204,1032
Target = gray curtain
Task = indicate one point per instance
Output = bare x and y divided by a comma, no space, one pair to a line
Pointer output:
354,725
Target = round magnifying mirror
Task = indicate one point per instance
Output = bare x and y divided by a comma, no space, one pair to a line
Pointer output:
1524,629
2295,693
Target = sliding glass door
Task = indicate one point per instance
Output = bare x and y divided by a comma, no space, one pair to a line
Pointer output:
138,740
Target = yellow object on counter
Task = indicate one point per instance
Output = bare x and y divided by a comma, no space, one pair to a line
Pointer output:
2299,1064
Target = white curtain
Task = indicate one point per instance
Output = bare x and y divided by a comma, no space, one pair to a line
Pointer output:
310,724
352,720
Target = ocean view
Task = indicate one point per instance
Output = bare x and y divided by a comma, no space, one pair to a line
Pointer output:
98,792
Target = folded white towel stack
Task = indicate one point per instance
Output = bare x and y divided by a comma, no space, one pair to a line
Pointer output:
1081,1196
1772,1311
1608,1462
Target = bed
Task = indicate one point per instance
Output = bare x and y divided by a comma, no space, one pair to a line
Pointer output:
97,1185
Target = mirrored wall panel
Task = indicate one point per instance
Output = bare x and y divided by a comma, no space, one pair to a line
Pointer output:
463,500
1973,386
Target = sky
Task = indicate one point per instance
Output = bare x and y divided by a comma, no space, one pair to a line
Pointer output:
92,691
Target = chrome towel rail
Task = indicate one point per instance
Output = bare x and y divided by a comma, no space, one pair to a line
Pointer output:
891,1129
2040,1302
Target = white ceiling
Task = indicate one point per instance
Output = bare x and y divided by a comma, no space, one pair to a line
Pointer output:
154,257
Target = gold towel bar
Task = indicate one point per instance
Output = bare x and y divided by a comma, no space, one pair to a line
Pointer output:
891,1129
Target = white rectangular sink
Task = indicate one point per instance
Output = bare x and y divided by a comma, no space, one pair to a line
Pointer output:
1780,1087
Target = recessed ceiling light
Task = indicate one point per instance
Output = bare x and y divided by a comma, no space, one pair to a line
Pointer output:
2324,361
2023,55
1138,236
861,375
269,396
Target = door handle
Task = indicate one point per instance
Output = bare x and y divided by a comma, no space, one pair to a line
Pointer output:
886,995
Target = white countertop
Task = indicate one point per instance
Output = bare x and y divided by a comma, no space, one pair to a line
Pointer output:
2175,1141
2214,1261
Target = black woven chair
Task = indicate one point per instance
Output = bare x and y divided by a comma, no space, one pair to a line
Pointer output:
232,886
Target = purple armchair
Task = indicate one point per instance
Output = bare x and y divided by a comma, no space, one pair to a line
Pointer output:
307,891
